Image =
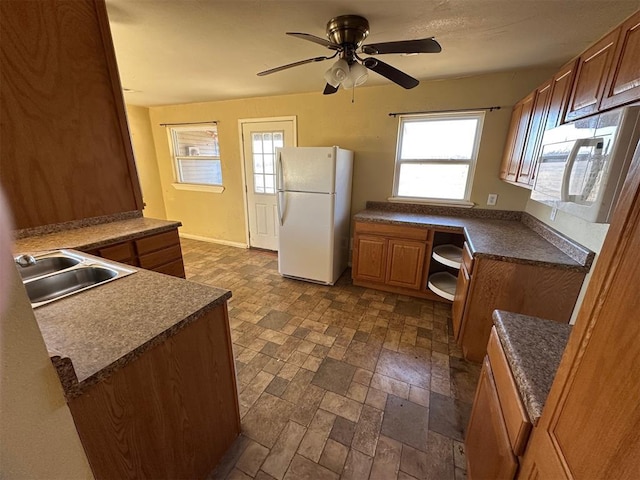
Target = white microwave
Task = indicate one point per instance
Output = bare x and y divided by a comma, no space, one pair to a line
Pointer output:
583,164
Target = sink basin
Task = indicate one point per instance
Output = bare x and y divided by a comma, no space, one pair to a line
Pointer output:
58,274
46,265
64,283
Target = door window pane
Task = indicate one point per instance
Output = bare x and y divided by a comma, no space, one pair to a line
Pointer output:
264,146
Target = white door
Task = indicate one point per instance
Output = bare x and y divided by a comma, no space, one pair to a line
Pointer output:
260,139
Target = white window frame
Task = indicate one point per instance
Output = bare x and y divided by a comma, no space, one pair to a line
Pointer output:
479,115
172,131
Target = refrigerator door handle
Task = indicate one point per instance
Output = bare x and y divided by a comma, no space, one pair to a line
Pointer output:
278,204
280,176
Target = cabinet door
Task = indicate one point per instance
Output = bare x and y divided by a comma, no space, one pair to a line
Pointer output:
534,133
591,75
487,445
405,263
623,84
517,136
457,309
370,258
560,90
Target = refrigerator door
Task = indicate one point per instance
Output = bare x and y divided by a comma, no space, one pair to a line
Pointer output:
306,236
306,169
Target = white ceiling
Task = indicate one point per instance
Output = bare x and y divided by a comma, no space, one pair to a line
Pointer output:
184,51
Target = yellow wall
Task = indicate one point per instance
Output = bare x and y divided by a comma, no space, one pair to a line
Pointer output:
146,162
38,436
363,126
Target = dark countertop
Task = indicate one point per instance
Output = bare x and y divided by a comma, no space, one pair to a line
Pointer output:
95,236
104,328
505,240
533,347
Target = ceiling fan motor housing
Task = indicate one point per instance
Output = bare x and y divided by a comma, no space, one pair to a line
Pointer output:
348,29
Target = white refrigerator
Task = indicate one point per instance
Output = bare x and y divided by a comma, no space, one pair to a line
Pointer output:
314,202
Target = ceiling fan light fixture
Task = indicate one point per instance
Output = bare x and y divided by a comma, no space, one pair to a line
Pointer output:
357,76
338,72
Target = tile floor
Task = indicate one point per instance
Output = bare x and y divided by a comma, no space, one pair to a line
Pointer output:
337,382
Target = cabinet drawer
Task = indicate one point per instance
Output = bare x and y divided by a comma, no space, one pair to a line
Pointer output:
175,268
122,252
467,258
157,242
399,231
161,257
515,416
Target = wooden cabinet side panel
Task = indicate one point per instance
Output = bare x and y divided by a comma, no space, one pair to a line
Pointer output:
511,141
528,289
64,156
591,75
459,300
171,413
623,83
487,445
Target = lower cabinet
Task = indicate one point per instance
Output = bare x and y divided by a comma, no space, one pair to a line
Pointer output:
394,258
536,290
499,428
159,252
172,412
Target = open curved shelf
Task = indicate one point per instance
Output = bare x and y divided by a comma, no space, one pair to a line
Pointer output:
449,255
443,284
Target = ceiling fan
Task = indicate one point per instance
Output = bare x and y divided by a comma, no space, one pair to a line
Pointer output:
345,36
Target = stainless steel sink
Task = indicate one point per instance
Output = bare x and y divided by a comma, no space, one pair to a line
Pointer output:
55,275
46,265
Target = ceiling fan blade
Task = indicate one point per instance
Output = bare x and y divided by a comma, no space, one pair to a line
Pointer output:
328,89
426,45
392,73
291,65
314,39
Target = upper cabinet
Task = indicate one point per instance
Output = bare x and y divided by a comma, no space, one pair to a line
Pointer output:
66,150
623,83
591,75
605,76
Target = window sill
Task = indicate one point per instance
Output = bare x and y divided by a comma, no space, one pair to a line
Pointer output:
432,201
198,188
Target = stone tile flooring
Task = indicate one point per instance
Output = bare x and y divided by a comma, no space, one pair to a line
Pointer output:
337,382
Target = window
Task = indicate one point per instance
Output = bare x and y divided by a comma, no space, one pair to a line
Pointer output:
196,155
436,156
264,146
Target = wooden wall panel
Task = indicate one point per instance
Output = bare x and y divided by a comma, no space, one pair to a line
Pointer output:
66,151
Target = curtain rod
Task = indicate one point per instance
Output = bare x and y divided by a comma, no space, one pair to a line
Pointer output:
187,123
490,109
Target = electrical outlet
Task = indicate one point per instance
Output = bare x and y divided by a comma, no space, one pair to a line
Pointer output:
554,212
492,199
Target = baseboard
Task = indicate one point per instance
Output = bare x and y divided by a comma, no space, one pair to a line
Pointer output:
214,240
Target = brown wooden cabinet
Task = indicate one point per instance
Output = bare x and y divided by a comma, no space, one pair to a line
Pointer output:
487,447
530,289
394,258
589,424
623,82
66,150
499,427
159,252
591,75
518,131
172,412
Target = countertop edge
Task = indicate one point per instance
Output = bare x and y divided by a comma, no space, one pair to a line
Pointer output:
131,236
72,388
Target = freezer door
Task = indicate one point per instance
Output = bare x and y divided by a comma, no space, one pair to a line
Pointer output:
306,169
306,236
